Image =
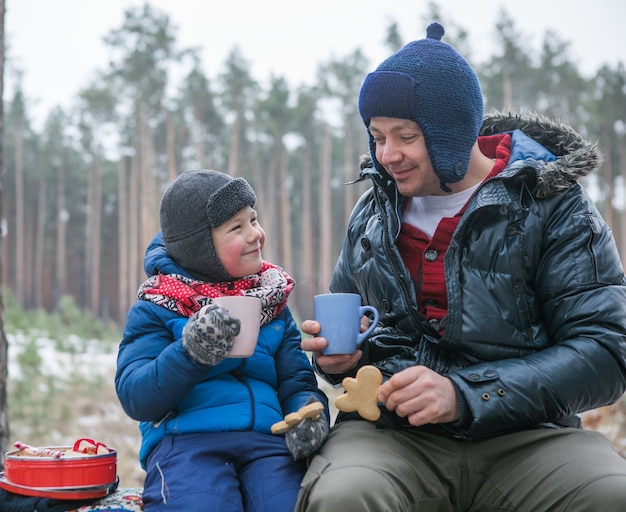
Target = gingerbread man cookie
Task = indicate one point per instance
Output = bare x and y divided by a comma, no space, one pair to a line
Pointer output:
361,393
311,411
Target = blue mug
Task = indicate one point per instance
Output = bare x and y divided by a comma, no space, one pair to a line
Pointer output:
339,316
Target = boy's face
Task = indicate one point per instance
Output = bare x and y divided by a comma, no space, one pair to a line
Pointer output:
238,243
401,150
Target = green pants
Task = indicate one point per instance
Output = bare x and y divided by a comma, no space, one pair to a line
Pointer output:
361,468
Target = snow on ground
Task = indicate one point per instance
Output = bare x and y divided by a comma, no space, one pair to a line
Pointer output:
88,358
77,376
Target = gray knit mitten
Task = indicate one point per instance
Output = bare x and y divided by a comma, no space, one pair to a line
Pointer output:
307,437
209,333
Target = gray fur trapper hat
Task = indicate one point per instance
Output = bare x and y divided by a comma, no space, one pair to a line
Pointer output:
193,204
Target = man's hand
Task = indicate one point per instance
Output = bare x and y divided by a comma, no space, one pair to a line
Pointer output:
420,395
333,364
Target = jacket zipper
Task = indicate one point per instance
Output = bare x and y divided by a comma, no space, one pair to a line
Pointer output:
238,373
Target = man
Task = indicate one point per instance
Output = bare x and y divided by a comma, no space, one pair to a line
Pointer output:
502,306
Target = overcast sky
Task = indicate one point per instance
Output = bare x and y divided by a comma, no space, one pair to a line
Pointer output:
58,43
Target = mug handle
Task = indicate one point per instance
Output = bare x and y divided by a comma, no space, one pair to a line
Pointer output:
362,311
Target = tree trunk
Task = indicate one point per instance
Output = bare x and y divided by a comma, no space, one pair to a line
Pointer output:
145,188
349,163
507,87
326,225
134,198
285,212
20,232
96,228
269,195
4,418
197,135
60,273
233,158
149,191
622,159
132,220
40,242
88,245
307,286
124,293
609,211
171,141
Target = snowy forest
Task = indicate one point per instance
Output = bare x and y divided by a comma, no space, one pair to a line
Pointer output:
79,197
82,195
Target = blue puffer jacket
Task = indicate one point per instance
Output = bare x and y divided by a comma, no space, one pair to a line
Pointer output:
163,388
536,325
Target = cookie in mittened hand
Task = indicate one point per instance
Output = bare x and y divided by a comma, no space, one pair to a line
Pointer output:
361,393
311,411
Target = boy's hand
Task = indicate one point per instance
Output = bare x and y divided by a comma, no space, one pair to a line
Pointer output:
209,333
305,430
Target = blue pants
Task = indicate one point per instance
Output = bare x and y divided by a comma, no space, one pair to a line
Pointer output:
222,471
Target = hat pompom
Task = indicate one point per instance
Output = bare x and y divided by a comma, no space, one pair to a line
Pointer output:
435,31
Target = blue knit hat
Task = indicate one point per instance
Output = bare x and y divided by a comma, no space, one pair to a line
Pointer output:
428,82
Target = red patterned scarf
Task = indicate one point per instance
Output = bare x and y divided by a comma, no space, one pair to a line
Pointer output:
185,296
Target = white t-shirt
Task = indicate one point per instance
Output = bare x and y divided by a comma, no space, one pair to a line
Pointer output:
426,212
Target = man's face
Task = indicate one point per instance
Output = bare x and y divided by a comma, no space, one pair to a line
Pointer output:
401,150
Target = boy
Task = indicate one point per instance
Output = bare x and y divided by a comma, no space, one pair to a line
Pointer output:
206,419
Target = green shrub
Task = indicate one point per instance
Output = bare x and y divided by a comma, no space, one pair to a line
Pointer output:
68,320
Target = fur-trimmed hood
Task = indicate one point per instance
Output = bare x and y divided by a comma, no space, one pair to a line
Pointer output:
576,157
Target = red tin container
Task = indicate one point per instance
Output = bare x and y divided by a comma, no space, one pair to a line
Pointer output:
57,473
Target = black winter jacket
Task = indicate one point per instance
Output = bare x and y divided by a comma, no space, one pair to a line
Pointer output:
536,326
